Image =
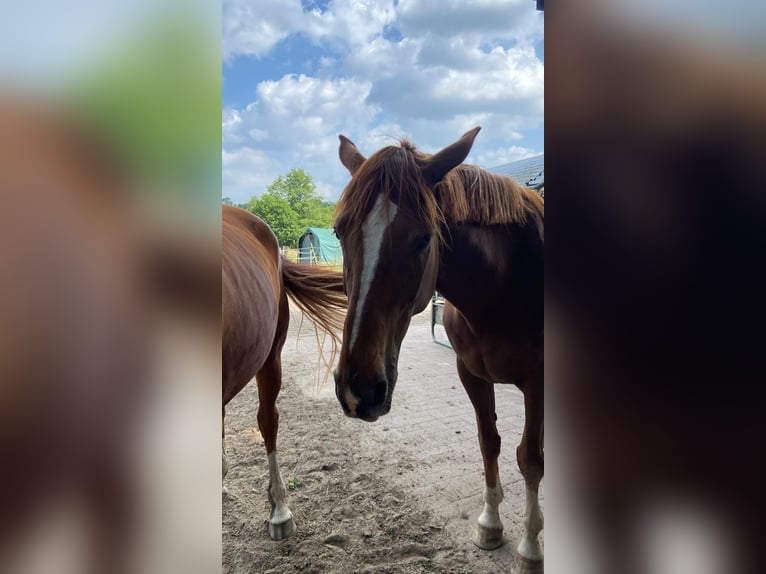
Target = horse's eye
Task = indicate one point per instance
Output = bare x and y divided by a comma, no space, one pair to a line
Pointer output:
423,242
335,231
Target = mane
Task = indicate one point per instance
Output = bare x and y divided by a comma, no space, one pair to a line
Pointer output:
467,194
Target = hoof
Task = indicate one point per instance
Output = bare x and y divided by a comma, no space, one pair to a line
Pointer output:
529,551
282,530
488,538
524,566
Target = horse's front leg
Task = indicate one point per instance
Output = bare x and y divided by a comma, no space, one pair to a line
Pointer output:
269,378
529,455
489,528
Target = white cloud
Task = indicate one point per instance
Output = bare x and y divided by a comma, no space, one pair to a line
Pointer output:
297,111
508,77
381,135
253,28
503,81
381,58
480,18
230,124
351,21
295,122
325,190
258,135
246,172
455,65
452,62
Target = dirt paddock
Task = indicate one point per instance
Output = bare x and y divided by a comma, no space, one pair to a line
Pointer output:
400,495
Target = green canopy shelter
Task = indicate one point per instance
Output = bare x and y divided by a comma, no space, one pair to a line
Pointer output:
318,245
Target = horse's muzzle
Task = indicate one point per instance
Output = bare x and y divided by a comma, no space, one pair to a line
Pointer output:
367,401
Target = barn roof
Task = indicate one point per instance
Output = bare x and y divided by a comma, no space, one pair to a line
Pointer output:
529,172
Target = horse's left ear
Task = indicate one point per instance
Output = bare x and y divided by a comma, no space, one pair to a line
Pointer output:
349,155
439,164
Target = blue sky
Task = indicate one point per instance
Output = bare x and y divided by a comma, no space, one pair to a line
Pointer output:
298,73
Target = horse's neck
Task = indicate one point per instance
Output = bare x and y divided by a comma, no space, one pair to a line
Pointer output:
469,269
489,270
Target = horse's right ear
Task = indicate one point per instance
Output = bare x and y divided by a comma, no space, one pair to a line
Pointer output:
349,155
439,164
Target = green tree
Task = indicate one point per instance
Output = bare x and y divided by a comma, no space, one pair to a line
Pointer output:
299,190
276,211
325,215
292,204
227,201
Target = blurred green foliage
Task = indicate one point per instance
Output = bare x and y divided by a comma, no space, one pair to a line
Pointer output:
157,101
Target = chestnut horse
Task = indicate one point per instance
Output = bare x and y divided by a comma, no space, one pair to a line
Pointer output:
256,282
411,223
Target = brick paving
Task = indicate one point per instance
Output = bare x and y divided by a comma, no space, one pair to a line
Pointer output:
431,413
432,417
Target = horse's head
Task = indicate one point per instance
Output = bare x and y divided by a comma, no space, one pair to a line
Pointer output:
390,226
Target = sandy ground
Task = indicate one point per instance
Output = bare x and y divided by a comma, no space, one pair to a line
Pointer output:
387,497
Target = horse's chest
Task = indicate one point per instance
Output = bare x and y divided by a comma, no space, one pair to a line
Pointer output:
509,356
497,359
493,362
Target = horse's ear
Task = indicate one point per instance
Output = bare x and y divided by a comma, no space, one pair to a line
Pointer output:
349,155
439,164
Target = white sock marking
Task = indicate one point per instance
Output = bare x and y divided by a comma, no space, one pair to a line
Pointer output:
490,517
529,547
373,230
281,512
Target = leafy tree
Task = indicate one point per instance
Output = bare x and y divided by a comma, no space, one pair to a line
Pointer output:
325,215
292,204
276,211
227,201
299,189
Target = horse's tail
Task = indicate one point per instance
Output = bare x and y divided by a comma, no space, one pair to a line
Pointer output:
318,292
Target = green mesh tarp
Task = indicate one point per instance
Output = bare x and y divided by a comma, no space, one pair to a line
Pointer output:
318,245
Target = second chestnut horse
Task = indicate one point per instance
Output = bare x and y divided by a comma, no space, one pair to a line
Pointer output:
255,284
411,223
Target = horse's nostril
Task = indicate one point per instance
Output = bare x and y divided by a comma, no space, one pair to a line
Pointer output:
381,389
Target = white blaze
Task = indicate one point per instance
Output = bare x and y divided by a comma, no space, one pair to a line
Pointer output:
373,229
351,401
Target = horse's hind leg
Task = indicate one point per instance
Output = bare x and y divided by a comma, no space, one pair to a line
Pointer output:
269,378
530,458
489,528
